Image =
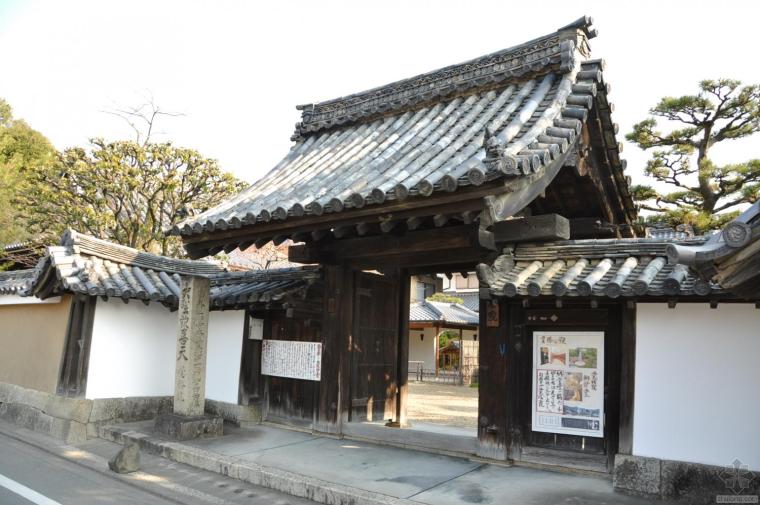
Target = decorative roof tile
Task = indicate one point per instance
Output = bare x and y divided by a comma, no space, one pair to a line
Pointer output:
730,257
15,281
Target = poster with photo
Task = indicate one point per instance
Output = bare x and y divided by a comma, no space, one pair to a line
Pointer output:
568,382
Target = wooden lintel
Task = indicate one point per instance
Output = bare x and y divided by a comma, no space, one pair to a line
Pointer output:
545,227
429,240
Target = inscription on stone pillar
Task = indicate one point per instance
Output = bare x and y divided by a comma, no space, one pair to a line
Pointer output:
192,339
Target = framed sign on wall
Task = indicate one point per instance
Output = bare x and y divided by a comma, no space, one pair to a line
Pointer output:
568,382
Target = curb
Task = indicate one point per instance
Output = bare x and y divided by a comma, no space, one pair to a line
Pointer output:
291,483
90,461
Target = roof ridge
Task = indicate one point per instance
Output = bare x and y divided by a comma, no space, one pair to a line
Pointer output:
555,51
87,244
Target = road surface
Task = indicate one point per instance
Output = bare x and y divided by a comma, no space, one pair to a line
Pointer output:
33,475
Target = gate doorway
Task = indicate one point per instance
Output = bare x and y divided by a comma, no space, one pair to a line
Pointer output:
413,379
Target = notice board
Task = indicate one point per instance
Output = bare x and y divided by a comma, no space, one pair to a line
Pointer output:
296,360
568,382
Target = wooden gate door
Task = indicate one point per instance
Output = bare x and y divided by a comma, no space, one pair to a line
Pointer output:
374,348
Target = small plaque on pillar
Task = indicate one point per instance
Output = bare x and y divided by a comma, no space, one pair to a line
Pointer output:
492,314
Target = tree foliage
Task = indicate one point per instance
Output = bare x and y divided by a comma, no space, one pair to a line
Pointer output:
22,150
443,297
701,193
125,191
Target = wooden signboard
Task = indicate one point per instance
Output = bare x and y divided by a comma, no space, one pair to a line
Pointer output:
295,360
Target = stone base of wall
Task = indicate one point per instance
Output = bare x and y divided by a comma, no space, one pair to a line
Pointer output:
181,428
678,480
233,413
75,420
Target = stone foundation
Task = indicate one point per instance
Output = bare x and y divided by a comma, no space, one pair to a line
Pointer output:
179,427
678,480
75,420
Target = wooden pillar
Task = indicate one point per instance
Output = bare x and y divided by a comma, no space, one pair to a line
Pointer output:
437,348
461,352
627,377
492,388
402,367
334,404
192,341
518,356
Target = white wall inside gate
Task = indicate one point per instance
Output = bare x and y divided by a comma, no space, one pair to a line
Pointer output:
225,341
132,350
697,383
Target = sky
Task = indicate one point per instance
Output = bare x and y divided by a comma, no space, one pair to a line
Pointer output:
236,70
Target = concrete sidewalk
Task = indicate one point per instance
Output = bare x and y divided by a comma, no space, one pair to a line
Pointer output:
334,471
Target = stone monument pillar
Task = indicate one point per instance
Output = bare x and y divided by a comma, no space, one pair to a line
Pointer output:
192,341
188,419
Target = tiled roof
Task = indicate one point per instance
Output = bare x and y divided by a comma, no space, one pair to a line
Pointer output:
507,115
593,268
731,257
84,264
14,281
441,312
470,299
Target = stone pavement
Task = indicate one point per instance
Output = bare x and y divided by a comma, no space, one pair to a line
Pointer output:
333,471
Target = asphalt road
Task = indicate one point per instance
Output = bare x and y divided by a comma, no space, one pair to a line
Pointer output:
31,475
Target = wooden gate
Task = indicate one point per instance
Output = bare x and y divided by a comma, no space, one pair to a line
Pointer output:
374,348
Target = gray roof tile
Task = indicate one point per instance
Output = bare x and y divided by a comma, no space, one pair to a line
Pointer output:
84,264
442,312
593,268
15,281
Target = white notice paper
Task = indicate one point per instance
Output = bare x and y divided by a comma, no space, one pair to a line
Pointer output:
296,360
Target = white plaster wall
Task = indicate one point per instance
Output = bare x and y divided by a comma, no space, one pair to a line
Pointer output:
423,350
132,351
225,341
697,391
26,300
469,334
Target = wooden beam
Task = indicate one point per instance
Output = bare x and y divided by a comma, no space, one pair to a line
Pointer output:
402,366
418,242
547,227
591,227
469,198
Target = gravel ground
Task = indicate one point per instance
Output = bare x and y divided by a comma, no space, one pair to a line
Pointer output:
443,404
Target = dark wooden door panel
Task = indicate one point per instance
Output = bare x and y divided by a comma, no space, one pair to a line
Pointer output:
374,347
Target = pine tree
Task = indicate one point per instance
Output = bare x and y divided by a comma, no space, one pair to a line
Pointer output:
702,193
